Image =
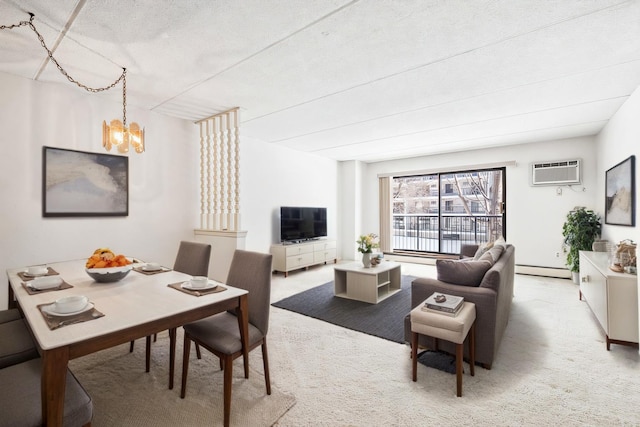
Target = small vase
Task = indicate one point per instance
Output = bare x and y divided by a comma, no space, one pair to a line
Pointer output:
366,259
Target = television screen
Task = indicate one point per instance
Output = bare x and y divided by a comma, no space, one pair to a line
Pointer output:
302,223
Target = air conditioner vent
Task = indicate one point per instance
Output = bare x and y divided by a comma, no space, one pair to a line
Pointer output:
561,172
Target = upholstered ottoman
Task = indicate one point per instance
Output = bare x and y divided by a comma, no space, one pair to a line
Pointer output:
450,328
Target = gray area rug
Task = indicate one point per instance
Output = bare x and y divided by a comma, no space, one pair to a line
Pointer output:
383,320
124,395
438,360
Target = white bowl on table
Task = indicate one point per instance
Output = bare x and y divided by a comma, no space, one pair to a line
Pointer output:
47,282
199,282
37,270
70,304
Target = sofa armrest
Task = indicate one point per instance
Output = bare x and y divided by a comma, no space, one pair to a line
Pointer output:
423,287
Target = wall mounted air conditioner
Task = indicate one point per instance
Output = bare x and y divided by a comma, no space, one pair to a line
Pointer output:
562,172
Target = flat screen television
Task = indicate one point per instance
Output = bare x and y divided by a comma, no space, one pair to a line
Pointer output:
302,223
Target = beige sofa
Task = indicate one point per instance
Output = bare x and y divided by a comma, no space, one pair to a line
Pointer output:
492,298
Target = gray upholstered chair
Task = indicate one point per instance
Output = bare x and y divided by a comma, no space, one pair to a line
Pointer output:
9,315
21,403
220,334
16,343
192,258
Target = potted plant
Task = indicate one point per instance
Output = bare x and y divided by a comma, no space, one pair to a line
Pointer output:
366,244
580,230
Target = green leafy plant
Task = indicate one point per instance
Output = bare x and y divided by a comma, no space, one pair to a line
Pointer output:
580,230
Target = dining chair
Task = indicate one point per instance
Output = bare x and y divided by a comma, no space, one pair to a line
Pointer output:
220,334
16,342
192,258
21,403
9,315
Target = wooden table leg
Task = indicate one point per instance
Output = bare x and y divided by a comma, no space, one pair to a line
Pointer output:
172,355
54,380
12,303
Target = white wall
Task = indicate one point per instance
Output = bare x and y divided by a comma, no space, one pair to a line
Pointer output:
164,181
618,140
534,214
272,176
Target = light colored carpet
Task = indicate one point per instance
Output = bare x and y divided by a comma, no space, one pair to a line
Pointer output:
124,395
552,368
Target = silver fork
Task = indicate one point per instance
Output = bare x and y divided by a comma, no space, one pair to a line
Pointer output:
76,320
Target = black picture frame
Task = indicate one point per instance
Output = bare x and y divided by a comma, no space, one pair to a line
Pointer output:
83,184
620,193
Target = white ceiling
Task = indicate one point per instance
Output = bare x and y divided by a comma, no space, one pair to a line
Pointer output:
368,80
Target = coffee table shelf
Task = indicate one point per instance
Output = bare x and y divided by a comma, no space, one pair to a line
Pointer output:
372,285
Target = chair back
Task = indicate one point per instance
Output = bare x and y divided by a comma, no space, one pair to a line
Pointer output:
252,271
193,258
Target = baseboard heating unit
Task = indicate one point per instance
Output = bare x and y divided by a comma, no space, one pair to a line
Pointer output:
533,270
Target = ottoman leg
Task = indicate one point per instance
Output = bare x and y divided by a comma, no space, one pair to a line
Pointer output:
414,356
459,355
472,349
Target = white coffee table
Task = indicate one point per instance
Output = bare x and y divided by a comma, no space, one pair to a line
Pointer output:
371,285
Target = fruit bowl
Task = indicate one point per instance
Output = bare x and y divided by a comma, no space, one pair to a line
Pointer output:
109,274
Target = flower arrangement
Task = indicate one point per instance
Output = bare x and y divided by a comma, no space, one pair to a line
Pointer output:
367,242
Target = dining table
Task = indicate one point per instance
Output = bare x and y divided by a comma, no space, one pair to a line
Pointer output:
137,306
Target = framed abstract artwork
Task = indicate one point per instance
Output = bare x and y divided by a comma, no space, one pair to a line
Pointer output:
78,183
620,197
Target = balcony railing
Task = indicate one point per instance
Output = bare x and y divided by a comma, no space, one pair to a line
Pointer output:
445,233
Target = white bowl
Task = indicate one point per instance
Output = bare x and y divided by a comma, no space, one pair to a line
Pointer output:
199,282
152,266
47,282
37,270
70,304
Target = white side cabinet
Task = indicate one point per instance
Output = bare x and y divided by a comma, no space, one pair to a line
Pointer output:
613,298
293,256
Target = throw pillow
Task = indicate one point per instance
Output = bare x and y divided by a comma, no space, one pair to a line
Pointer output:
465,273
482,249
500,242
492,254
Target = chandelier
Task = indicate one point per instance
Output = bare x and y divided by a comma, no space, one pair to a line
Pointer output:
117,133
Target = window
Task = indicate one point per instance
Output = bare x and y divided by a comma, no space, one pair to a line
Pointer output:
439,212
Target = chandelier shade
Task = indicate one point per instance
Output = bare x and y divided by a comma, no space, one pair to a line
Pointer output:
116,134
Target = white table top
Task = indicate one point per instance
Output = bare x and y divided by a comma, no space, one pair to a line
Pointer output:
359,268
134,300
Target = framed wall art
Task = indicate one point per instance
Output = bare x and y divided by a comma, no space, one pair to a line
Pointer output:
620,198
78,183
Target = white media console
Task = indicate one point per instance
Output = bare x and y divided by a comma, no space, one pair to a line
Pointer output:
294,256
612,297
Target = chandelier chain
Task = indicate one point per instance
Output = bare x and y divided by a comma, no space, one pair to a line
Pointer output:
124,97
31,25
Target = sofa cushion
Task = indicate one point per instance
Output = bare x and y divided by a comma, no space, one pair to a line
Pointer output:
466,273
